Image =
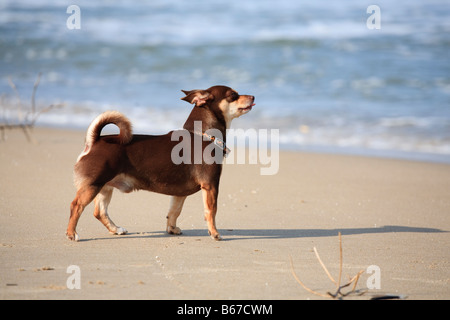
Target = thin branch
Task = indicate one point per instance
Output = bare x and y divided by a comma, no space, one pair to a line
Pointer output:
25,123
339,287
44,110
13,86
302,284
340,260
338,291
356,280
323,266
36,84
26,131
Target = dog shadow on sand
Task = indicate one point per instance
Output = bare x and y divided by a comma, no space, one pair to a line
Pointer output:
241,234
248,234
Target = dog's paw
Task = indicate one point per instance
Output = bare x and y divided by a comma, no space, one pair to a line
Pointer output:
73,237
173,230
216,236
120,231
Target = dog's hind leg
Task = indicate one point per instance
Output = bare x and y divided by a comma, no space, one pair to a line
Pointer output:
176,204
84,196
102,201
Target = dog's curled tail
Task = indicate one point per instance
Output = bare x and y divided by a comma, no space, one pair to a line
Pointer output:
108,117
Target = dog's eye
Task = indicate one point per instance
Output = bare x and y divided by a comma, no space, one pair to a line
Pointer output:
234,96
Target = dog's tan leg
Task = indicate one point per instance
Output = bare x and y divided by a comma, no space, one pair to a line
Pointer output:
210,204
176,204
102,201
83,197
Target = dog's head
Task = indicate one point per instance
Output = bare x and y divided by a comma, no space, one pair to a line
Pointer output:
221,99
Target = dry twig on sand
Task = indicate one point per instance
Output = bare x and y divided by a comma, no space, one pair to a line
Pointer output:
25,122
339,287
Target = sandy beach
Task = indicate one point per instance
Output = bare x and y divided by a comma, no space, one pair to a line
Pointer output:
392,214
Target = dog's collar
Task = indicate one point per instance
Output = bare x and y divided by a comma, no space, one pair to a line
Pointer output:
217,141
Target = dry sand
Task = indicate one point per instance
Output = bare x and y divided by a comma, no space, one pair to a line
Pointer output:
393,214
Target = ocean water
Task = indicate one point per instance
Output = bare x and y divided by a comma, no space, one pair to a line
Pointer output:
320,75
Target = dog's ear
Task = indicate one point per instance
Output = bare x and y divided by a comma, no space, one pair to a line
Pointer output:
197,97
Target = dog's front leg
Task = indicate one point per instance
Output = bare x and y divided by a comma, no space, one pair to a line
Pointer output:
176,204
210,203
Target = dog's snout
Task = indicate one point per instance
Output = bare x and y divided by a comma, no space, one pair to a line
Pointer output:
250,98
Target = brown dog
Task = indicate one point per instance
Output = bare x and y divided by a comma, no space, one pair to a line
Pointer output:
132,162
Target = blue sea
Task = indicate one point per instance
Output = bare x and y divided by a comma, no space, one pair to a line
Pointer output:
320,75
